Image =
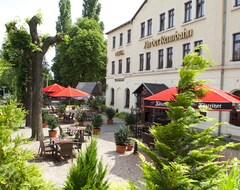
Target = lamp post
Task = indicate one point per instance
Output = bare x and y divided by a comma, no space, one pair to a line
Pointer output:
136,111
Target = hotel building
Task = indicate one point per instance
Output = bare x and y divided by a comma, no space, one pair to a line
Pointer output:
149,50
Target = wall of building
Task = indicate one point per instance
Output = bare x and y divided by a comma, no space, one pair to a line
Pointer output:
209,29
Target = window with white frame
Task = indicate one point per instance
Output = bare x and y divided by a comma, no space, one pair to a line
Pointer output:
169,57
112,97
142,29
127,100
149,27
171,18
186,49
237,3
121,39
199,8
160,58
119,66
129,37
162,22
141,62
148,60
113,67
236,47
188,11
196,43
128,65
114,42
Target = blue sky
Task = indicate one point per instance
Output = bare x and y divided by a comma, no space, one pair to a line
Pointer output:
113,14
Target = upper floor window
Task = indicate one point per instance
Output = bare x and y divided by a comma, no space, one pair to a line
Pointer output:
200,8
121,39
160,58
129,36
142,29
128,65
237,3
113,67
141,61
188,11
148,60
162,22
119,66
127,98
171,18
149,27
114,42
196,43
236,47
169,57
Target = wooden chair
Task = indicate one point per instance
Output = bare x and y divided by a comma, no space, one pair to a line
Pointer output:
46,147
66,149
66,117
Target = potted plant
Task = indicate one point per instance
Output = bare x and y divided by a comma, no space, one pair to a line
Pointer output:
130,119
61,110
44,118
121,137
53,123
110,112
97,122
129,145
81,117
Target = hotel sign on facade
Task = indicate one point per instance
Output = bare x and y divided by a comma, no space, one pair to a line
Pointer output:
167,39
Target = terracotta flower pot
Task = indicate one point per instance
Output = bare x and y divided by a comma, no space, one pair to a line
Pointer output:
109,121
121,148
52,133
44,125
96,131
129,147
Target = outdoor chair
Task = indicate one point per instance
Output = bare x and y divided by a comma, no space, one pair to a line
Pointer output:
46,147
65,150
88,131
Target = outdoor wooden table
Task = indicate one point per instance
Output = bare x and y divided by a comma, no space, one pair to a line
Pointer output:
76,129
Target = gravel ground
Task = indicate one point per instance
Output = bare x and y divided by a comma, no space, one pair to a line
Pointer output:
120,167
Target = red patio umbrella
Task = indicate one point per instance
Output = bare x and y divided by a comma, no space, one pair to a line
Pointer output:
53,88
216,99
70,93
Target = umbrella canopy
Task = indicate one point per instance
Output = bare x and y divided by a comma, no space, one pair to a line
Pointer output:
53,88
70,93
216,99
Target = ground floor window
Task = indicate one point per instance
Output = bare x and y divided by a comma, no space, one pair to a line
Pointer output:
112,97
235,116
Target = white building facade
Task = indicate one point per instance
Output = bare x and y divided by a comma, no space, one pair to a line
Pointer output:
150,47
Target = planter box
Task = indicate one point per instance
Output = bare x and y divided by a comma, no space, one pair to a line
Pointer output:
52,133
96,131
109,121
129,147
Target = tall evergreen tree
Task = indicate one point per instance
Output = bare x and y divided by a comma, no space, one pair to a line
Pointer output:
64,22
184,158
91,9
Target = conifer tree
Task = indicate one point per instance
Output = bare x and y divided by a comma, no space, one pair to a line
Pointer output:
184,158
89,172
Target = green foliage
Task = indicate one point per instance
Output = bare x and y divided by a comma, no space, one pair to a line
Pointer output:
62,108
231,180
64,22
81,115
184,158
122,135
97,121
15,171
86,49
130,119
110,112
52,121
89,172
45,114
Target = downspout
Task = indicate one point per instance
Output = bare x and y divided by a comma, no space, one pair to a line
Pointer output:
223,56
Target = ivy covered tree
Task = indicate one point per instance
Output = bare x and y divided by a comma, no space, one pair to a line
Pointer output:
89,172
184,158
33,48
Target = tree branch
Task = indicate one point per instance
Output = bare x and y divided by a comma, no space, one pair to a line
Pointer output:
50,41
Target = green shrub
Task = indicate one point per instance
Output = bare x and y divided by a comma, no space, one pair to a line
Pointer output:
89,172
97,121
122,135
52,121
110,112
